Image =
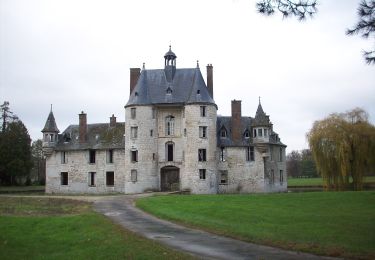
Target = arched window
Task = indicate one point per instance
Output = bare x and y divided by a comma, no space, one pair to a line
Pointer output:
247,134
169,125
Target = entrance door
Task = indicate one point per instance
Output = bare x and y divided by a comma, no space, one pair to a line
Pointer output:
169,179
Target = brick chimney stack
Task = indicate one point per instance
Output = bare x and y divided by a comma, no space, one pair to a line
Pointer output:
236,121
134,75
112,121
82,127
210,83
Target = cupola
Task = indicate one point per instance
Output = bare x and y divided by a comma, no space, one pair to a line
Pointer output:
170,64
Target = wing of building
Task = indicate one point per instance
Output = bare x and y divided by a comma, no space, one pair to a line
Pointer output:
173,140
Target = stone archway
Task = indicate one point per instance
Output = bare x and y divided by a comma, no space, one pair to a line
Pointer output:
169,178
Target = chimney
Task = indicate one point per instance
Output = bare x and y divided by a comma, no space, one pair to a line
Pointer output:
112,121
210,84
236,121
82,127
134,75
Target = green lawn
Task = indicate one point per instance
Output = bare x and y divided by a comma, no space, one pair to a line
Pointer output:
66,229
329,223
317,181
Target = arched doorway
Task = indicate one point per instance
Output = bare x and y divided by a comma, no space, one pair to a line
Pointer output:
169,178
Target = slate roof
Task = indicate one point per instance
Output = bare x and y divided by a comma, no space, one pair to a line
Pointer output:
261,119
226,122
186,87
99,136
246,123
50,125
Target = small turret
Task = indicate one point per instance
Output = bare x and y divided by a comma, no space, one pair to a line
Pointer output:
50,134
261,129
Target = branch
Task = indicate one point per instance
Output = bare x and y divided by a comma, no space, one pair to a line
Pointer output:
298,8
365,26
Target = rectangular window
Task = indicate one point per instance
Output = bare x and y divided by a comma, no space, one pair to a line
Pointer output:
272,177
271,153
133,132
92,156
63,158
281,154
203,131
133,113
202,155
222,156
202,174
110,156
91,178
151,132
281,177
203,111
170,152
110,178
64,178
153,156
134,156
133,175
265,132
250,153
223,177
153,113
255,133
185,133
260,132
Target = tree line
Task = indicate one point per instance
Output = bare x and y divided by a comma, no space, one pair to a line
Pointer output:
21,162
301,164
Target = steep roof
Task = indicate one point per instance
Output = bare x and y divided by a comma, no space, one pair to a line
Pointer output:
186,87
50,125
99,136
226,122
261,119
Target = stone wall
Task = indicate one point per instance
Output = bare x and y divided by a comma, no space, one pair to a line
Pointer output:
147,148
190,179
242,176
78,167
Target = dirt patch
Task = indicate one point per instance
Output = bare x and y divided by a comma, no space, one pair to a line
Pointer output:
28,206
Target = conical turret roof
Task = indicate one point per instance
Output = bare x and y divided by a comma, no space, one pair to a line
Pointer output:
50,125
261,119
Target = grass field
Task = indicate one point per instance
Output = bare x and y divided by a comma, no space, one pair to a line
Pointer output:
317,181
328,223
66,229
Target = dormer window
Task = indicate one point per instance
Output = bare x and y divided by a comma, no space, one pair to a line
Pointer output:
169,91
247,134
223,133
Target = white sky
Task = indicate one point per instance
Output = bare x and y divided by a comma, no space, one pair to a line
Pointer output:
76,55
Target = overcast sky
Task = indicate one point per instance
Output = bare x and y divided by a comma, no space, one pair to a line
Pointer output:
76,55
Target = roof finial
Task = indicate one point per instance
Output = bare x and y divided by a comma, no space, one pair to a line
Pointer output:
197,63
143,67
259,100
51,107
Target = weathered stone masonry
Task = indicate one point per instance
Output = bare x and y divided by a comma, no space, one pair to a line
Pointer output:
174,141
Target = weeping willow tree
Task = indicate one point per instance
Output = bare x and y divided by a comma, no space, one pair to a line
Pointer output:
343,147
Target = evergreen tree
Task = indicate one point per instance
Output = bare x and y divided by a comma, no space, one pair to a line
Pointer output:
15,153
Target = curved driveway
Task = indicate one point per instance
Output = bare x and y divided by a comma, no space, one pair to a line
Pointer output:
202,244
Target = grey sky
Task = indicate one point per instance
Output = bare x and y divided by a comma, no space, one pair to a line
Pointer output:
76,55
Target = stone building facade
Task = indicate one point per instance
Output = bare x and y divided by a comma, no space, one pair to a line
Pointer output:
173,139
